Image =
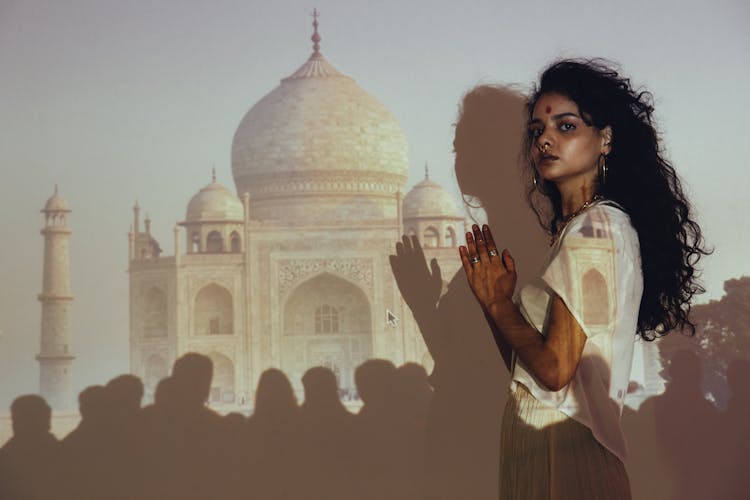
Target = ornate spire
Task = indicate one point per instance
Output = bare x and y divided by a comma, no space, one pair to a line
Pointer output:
55,189
426,171
316,65
316,36
213,173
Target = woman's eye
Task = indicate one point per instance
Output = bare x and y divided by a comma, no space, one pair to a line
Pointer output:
535,132
567,127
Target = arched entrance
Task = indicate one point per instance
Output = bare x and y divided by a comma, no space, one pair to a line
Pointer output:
213,311
327,322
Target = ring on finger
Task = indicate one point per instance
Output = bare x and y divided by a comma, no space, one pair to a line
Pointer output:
492,252
474,259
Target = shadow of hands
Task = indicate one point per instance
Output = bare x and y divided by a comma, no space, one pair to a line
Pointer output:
420,286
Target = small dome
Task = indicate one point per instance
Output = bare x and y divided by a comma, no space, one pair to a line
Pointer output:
56,203
215,203
429,199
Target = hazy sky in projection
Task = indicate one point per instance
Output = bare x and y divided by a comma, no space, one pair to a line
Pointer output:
121,100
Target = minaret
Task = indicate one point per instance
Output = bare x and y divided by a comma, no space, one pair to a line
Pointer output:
54,355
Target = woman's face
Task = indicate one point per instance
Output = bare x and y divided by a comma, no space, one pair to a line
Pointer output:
564,148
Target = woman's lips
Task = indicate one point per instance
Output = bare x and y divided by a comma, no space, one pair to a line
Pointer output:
547,158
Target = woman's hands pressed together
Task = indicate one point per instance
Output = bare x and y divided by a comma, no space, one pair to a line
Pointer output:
492,275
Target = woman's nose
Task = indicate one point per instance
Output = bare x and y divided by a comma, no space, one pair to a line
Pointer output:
544,142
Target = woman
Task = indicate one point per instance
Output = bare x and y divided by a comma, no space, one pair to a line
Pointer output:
621,264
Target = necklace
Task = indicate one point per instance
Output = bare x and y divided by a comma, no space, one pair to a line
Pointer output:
566,220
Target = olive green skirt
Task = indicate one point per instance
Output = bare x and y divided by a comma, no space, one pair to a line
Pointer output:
546,455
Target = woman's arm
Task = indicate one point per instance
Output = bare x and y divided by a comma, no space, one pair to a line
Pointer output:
552,360
505,350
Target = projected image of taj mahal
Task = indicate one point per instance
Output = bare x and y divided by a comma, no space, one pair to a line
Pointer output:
292,271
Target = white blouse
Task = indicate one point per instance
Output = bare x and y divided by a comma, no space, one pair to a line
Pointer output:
595,268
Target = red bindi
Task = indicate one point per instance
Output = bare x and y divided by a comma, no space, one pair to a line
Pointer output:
548,109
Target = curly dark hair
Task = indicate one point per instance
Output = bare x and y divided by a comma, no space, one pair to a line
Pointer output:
639,178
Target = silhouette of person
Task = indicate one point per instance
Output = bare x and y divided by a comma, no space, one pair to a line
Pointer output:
377,445
87,449
186,456
411,399
326,439
30,460
271,435
124,395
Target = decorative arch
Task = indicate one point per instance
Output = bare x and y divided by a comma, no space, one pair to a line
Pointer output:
222,383
154,320
595,298
213,312
450,237
319,296
430,237
235,242
214,242
327,321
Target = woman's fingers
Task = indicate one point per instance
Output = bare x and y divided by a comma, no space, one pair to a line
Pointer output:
489,241
471,245
480,243
464,253
508,261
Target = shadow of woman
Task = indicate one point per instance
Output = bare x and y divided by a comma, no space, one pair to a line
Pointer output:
469,378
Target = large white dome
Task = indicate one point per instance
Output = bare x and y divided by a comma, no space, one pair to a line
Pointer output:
318,133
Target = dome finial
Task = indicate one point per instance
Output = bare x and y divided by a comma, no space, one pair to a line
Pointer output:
426,171
316,37
213,172
55,189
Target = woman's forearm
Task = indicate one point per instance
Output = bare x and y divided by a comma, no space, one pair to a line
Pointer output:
527,342
505,350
